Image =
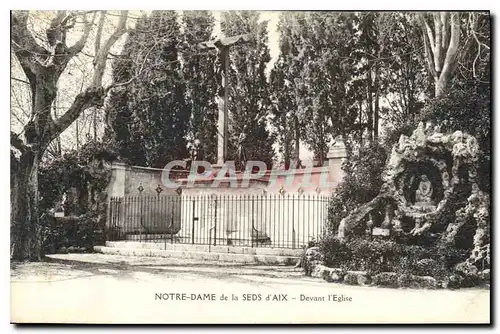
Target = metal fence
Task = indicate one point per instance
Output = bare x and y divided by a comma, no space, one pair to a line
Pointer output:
286,221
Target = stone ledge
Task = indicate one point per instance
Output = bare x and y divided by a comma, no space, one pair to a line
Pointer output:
222,257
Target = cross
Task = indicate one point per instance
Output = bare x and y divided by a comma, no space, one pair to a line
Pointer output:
222,45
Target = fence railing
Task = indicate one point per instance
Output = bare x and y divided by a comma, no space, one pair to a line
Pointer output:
287,221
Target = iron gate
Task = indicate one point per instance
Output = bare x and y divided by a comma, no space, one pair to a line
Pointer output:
286,221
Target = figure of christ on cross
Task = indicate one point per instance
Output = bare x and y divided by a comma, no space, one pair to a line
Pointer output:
222,45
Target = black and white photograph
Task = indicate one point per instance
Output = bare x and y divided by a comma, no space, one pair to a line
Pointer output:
250,166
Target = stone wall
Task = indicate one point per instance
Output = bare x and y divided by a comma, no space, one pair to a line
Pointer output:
126,180
286,208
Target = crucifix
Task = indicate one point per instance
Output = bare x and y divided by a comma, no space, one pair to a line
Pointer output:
222,46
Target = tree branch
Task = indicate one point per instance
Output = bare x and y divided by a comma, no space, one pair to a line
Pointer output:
94,95
20,80
438,40
444,27
427,48
78,46
430,35
101,56
137,74
24,45
17,142
98,34
451,53
88,98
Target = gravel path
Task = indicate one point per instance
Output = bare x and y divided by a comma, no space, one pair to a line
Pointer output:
99,288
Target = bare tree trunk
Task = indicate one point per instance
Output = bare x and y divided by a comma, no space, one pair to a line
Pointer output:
376,109
360,123
27,244
369,101
287,136
25,240
440,86
441,34
296,152
58,139
95,124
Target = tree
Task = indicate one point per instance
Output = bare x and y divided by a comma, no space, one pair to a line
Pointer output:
43,65
283,110
201,86
151,119
442,32
404,83
283,89
249,138
328,96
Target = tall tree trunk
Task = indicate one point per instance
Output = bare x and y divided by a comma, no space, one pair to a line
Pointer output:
25,236
369,101
58,138
440,85
296,151
360,123
25,216
441,35
376,108
287,142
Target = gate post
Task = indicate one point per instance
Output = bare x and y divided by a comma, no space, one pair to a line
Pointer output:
253,228
293,221
215,223
193,220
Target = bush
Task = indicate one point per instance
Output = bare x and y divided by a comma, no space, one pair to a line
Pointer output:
387,279
73,234
361,183
378,256
417,282
82,170
336,253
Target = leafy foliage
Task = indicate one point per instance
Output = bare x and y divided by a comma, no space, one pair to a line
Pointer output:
73,235
467,110
377,255
361,183
201,87
82,177
149,122
249,101
339,73
82,170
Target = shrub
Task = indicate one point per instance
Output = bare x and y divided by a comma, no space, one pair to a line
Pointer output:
351,279
336,253
83,232
361,183
417,282
387,279
378,256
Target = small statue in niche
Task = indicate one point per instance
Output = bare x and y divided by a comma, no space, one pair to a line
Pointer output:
389,216
396,221
423,194
370,223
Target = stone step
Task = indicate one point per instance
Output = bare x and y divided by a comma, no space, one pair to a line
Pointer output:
203,255
206,248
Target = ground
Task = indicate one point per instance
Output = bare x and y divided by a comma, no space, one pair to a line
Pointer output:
98,288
